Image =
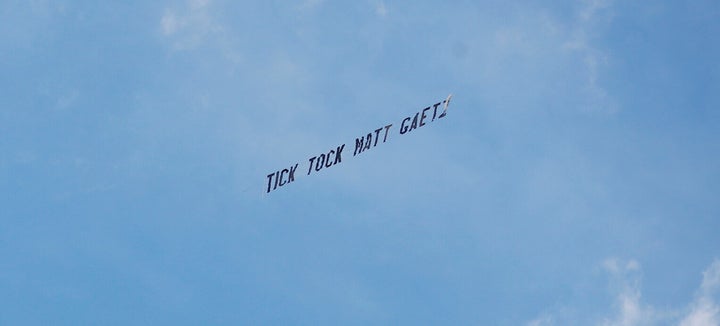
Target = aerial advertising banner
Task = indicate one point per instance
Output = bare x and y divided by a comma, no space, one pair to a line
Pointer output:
334,156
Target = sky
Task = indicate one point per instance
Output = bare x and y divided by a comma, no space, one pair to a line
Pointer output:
574,181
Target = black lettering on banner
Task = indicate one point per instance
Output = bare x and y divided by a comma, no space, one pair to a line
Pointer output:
368,141
280,178
414,123
446,102
387,128
282,174
423,116
435,110
359,145
332,157
403,127
291,178
320,162
377,136
277,176
338,153
328,163
269,176
311,164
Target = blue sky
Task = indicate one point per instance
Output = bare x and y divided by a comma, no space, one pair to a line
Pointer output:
574,181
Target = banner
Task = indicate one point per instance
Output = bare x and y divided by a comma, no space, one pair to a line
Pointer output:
363,143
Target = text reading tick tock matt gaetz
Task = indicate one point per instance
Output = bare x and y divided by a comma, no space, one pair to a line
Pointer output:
334,156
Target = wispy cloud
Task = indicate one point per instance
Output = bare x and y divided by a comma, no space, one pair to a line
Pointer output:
705,311
190,26
630,310
593,58
535,55
544,320
591,9
379,6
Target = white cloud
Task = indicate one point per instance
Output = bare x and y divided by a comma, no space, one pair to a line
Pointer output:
593,58
191,25
592,7
195,25
544,320
67,100
616,267
535,56
169,23
630,310
705,311
198,4
711,278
